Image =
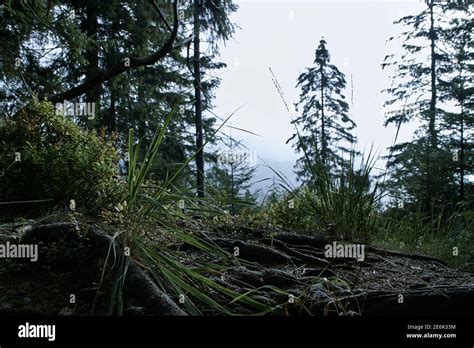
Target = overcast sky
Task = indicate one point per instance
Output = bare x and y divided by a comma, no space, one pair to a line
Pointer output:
284,35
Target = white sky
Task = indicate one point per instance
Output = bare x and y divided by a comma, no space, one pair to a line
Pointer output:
284,35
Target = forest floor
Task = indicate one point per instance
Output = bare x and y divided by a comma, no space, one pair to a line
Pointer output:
384,283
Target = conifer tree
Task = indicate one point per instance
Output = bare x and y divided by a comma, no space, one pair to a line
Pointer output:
421,169
325,126
457,86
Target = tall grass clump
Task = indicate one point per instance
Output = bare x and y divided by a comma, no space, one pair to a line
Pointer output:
449,238
151,219
347,204
344,206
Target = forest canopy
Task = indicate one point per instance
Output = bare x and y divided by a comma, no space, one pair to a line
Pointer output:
111,139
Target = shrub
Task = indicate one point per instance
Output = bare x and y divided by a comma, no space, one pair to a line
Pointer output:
292,211
58,160
344,206
414,232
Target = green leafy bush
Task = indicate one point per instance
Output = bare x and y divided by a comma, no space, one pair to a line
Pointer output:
47,156
292,211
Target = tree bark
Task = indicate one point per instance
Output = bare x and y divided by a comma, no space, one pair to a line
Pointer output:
323,124
111,122
461,166
91,28
432,136
198,103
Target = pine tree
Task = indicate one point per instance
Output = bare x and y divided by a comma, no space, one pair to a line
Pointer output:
416,80
457,85
325,125
420,169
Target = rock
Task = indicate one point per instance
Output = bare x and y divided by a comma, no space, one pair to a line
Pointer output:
426,277
261,254
317,241
317,287
317,272
6,307
246,276
417,285
279,278
140,286
51,232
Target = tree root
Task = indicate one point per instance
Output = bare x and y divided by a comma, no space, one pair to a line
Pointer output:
139,287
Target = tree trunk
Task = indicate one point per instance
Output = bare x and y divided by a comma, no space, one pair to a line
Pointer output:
323,124
91,28
232,187
110,118
198,103
461,166
111,122
432,135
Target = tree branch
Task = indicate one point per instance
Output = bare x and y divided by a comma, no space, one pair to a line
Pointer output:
117,69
